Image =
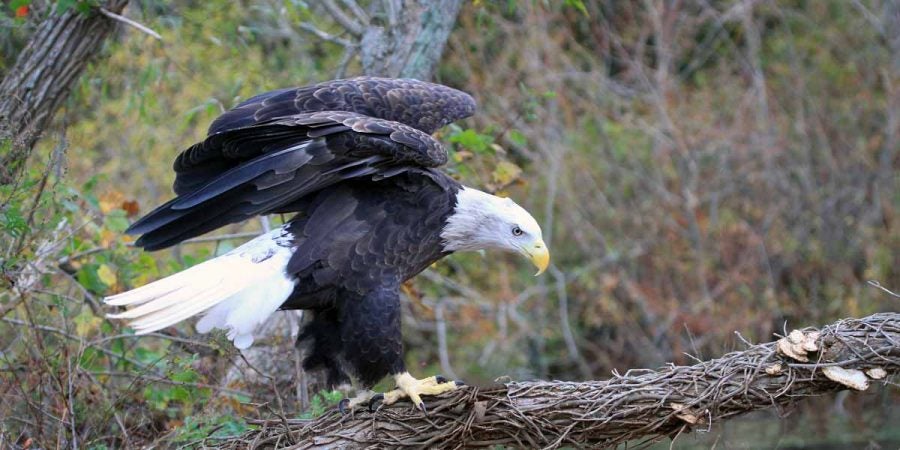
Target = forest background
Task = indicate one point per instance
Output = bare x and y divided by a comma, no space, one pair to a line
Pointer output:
701,169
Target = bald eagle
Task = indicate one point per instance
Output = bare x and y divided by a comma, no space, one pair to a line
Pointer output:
356,161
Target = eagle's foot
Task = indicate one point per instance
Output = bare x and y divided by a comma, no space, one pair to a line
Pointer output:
407,386
363,397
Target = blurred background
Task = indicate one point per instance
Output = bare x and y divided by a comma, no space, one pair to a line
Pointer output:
705,172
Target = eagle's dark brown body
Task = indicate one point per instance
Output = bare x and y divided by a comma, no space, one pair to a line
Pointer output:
349,273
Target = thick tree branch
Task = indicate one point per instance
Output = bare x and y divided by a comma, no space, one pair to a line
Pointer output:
412,47
399,38
43,75
641,404
349,24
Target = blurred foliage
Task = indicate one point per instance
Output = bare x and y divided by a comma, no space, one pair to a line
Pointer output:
699,168
322,401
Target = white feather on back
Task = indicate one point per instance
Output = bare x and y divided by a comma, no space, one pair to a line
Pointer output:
238,291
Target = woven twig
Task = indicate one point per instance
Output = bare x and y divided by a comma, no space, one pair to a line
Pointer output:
640,404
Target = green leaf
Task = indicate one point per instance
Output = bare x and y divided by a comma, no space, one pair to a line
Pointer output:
116,221
92,359
147,356
64,5
90,279
86,322
107,275
83,7
187,375
472,140
180,393
90,184
16,4
13,221
518,138
579,5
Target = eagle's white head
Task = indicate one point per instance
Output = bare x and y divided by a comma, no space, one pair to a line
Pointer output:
482,221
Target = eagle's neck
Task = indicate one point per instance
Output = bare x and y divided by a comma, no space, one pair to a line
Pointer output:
473,209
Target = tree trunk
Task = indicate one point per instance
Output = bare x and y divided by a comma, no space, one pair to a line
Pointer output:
640,404
411,44
43,75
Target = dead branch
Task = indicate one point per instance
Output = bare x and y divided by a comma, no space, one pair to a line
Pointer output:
641,404
131,22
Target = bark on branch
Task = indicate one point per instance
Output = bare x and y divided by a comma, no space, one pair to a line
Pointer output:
397,38
640,404
411,46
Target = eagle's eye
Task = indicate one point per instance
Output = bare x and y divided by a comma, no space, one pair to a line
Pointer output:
516,231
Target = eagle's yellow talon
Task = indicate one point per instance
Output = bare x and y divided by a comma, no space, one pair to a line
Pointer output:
407,386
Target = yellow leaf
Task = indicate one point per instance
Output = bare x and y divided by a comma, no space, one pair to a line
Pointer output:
462,155
107,237
110,201
505,173
106,275
86,322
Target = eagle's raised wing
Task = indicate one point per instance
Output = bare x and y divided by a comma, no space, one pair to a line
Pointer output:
421,105
264,155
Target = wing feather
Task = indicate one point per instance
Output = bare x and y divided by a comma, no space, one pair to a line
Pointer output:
269,152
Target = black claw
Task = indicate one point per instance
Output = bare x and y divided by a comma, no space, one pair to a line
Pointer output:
459,383
342,406
422,407
440,379
374,402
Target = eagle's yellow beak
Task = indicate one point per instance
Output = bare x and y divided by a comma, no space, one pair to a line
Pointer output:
540,256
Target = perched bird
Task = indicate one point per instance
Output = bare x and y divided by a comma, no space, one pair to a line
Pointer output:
356,162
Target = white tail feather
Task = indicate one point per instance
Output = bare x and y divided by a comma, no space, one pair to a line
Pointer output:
239,290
